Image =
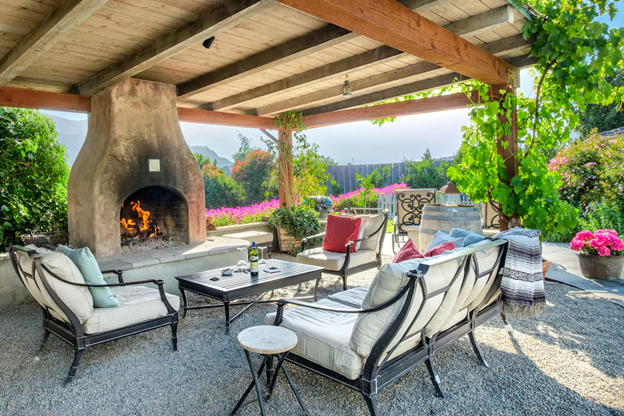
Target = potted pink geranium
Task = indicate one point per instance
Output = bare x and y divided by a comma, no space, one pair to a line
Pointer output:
601,254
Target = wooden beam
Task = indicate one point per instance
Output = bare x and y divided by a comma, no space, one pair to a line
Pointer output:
303,46
489,20
43,100
194,115
420,106
357,62
217,20
391,23
45,35
396,92
500,46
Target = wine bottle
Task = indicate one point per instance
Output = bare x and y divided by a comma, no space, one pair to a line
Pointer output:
253,260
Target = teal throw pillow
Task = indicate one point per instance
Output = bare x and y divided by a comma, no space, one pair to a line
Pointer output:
86,263
469,237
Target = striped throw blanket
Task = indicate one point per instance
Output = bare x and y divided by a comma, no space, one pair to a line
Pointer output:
522,286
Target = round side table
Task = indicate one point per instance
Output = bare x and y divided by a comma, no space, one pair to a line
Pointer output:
269,341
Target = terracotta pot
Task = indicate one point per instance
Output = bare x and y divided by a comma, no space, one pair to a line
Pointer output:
545,267
598,267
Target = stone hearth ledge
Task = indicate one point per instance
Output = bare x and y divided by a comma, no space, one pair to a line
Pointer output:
211,247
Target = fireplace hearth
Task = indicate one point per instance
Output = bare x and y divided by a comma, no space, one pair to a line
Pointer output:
134,161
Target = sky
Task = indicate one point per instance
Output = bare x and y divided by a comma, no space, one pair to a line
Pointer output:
361,142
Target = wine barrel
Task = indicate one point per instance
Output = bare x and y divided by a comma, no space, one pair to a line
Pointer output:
443,218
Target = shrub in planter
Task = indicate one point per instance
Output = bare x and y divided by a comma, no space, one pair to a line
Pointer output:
601,254
293,224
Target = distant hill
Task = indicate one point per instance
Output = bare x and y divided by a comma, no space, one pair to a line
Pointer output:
72,133
212,155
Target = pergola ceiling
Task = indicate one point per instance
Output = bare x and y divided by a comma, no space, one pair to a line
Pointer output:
267,58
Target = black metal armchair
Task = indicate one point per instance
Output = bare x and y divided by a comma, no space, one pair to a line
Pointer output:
344,264
60,320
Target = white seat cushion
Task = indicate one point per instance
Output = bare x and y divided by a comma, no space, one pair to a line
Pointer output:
136,304
351,297
334,261
323,337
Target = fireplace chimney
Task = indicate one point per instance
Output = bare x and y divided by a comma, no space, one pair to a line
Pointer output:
134,141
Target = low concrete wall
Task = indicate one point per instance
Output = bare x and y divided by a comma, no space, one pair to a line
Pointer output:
12,291
164,264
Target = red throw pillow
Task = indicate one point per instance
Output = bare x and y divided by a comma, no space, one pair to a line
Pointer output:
440,249
339,231
407,252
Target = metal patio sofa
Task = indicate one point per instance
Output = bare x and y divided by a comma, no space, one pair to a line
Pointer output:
366,338
409,209
58,287
344,264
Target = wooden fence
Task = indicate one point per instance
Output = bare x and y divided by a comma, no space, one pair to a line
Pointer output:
345,175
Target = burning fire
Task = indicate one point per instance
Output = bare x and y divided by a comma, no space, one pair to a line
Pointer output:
145,228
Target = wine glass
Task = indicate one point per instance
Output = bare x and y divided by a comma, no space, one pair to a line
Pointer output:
262,260
242,265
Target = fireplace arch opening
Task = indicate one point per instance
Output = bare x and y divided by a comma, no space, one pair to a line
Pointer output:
153,214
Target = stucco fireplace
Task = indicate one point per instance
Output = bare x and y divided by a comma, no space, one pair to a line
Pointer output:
135,177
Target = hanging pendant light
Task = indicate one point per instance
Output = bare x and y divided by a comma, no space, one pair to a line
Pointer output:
346,88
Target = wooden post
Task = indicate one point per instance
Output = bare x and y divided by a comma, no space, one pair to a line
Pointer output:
285,163
510,153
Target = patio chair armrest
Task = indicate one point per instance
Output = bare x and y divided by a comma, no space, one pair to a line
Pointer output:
282,302
119,273
308,238
158,282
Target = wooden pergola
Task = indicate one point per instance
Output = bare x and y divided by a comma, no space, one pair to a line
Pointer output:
267,56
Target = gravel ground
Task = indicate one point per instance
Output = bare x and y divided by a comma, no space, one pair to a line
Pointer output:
571,363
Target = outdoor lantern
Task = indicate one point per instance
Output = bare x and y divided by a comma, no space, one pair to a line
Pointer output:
346,88
449,195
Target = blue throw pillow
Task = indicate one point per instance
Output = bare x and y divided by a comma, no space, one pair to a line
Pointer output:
441,237
86,263
469,237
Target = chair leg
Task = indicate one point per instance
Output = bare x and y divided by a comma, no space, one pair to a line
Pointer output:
174,336
371,403
394,244
477,348
435,379
344,282
46,336
74,366
509,329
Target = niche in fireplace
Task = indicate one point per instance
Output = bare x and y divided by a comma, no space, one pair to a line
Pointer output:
152,215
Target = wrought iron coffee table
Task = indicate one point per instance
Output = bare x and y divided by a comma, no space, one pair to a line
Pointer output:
227,289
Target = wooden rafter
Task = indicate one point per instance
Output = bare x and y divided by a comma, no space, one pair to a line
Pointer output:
45,35
313,42
420,68
406,89
420,106
391,23
222,18
471,26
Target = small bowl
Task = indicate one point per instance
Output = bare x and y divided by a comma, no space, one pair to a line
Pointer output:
226,272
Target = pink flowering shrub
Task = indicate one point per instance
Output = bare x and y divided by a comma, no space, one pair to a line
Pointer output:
254,213
590,170
601,242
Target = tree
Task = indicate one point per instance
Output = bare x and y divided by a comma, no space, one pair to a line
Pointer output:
254,174
603,117
201,159
221,191
244,149
426,173
33,175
